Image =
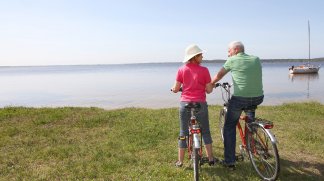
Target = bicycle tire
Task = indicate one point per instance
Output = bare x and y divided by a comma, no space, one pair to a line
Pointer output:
195,159
263,153
189,144
222,115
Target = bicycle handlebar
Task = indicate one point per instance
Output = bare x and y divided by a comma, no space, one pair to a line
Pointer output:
224,85
180,90
226,94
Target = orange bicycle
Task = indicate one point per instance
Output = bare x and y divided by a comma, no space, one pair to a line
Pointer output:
257,140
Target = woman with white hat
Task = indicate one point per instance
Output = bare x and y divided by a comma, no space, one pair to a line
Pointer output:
195,82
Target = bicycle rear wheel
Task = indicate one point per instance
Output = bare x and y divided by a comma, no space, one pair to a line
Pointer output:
263,153
195,160
222,115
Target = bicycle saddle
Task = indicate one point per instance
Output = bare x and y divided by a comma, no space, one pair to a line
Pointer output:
195,105
250,109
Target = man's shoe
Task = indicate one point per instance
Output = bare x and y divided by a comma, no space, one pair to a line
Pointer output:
230,167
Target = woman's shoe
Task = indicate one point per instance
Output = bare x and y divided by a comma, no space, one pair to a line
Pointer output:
212,162
178,164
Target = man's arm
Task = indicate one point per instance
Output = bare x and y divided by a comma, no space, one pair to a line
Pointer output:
219,75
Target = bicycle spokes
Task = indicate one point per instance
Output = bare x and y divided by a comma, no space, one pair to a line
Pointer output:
263,154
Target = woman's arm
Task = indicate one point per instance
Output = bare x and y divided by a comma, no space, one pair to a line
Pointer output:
176,87
209,88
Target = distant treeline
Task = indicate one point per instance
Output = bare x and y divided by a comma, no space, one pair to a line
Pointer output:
275,60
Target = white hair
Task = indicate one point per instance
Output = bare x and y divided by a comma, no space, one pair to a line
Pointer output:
237,44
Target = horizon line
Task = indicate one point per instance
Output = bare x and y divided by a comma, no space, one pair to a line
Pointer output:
320,59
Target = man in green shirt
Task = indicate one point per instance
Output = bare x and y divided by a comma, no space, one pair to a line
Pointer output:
246,73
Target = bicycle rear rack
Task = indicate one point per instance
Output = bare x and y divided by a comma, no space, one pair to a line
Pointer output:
265,123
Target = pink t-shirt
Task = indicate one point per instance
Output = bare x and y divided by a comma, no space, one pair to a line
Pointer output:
193,78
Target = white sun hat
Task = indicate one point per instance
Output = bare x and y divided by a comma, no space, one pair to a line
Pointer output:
191,51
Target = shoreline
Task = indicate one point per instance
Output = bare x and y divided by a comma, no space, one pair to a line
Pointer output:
287,60
149,108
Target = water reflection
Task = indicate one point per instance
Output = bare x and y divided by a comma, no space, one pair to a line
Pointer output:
303,77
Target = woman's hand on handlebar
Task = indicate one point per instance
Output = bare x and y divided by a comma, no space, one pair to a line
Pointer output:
175,91
176,87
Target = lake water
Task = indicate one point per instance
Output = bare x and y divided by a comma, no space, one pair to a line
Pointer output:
136,85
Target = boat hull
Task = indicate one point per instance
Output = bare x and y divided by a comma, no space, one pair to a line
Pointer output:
304,70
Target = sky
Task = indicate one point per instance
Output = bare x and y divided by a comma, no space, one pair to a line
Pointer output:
76,32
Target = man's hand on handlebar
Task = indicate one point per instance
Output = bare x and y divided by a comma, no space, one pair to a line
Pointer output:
224,85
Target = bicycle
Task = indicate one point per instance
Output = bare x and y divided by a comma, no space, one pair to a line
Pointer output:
257,140
194,139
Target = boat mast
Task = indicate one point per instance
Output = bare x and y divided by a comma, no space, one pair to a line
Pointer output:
308,43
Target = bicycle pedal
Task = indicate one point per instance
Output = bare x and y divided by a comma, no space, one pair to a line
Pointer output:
239,158
204,160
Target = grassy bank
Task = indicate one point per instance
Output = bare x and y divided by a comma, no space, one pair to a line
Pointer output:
141,144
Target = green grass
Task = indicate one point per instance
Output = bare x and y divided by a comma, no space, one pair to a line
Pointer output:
141,144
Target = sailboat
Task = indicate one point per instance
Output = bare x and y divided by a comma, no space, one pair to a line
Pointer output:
306,68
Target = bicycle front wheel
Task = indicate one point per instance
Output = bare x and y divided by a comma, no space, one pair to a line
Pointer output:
263,153
195,159
222,115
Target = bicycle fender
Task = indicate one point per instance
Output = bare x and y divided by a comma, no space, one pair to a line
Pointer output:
272,137
196,141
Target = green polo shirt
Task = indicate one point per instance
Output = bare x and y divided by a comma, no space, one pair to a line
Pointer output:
246,73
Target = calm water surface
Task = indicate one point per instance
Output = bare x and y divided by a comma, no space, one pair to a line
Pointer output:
136,85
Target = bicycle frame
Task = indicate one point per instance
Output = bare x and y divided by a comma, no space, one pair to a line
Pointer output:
195,138
240,129
265,124
257,140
